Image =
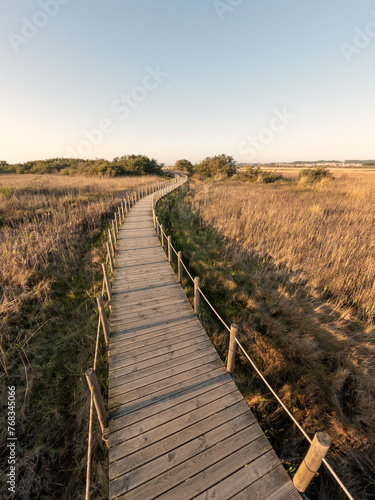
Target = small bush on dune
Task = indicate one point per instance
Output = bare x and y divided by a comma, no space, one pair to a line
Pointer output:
253,174
311,176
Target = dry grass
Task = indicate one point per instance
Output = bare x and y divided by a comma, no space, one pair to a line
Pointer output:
326,233
294,266
51,249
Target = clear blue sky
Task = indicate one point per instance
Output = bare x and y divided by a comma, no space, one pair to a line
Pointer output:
188,79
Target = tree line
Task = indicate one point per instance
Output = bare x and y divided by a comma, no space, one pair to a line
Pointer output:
119,166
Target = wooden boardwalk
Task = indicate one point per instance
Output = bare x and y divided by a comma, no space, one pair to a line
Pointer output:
179,428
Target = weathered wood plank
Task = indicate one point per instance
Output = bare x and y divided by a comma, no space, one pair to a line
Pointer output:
133,345
274,485
155,349
137,333
245,476
169,414
180,474
158,363
188,385
221,469
162,461
171,383
152,380
203,384
186,425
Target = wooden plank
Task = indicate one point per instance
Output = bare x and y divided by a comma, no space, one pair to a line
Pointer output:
171,383
167,458
155,349
125,431
136,335
153,379
161,322
158,363
245,476
181,473
274,485
182,427
150,343
129,342
187,385
150,315
150,307
201,386
142,300
222,469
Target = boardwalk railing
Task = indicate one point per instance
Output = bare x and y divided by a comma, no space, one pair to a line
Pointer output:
320,444
96,398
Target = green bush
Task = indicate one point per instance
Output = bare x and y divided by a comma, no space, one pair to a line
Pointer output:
253,174
313,175
220,165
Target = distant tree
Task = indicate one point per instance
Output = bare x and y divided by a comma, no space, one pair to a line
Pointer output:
183,166
216,165
136,165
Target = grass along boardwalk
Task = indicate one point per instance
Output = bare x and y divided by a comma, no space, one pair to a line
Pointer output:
178,426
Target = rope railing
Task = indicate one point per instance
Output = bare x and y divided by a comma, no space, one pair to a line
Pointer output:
312,442
119,216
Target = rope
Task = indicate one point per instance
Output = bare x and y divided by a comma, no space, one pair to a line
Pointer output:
337,479
89,444
175,251
273,392
190,276
217,314
293,419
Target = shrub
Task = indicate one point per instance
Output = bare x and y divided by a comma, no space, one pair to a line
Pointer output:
216,165
183,166
313,175
253,174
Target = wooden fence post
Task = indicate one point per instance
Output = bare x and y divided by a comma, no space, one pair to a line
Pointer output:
114,232
179,267
103,318
116,222
162,235
119,215
112,243
106,281
97,397
110,256
122,210
170,249
196,295
313,459
232,348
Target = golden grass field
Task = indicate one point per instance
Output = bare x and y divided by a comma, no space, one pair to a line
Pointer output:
52,235
294,266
